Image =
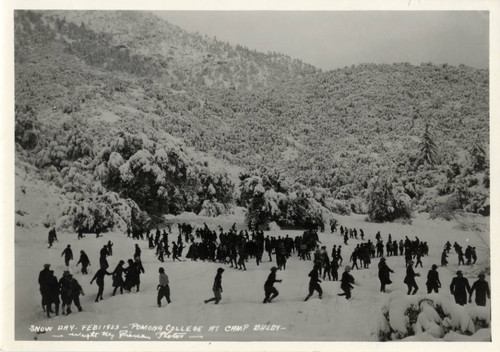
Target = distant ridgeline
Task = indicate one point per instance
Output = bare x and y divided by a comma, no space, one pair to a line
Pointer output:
134,118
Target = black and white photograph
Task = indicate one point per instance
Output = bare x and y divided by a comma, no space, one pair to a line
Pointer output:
274,175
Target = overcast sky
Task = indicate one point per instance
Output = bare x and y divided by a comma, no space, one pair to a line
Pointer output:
335,39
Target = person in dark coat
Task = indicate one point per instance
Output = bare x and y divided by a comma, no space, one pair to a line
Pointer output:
433,283
384,274
163,288
137,252
52,294
118,282
175,251
73,294
52,237
474,255
314,282
103,262
64,286
444,255
482,290
460,255
129,275
217,287
110,248
68,255
270,291
410,278
84,260
459,288
99,279
138,270
335,269
43,278
346,283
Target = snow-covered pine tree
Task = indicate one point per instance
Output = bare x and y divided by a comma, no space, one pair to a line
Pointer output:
478,155
386,201
428,148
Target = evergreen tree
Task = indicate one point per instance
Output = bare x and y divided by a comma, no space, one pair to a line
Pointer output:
386,202
428,148
478,155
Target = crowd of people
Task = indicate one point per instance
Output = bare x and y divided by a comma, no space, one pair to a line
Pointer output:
235,248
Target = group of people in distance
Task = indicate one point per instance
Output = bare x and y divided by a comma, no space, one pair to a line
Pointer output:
234,249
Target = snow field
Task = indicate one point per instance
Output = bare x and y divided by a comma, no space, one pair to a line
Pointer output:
331,319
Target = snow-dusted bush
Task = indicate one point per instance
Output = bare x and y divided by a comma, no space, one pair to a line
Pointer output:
213,209
338,206
101,212
428,316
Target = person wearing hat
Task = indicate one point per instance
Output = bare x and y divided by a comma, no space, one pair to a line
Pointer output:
433,283
482,290
314,282
346,283
459,288
410,278
163,288
384,274
217,287
270,291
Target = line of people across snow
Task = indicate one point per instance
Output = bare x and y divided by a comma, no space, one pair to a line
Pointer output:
236,248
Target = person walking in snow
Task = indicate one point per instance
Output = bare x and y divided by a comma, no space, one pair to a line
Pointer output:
474,255
433,283
335,269
482,290
84,260
270,291
52,237
52,296
459,288
217,287
175,251
444,255
346,283
314,283
410,278
68,255
117,277
73,294
384,274
99,279
339,255
43,279
460,255
103,253
138,251
163,288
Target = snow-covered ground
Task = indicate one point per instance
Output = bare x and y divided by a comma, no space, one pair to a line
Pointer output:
331,319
